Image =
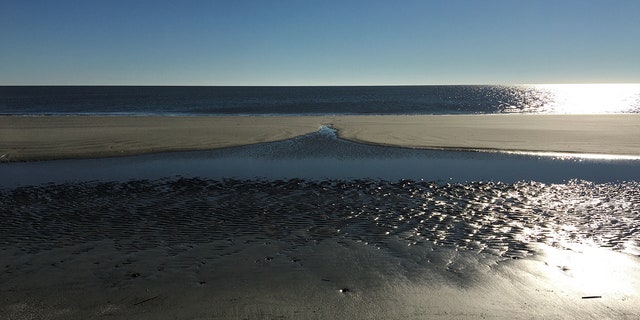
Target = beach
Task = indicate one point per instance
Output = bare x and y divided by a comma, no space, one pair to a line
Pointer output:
27,138
321,160
283,217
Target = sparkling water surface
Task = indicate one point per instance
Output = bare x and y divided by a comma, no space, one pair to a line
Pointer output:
136,100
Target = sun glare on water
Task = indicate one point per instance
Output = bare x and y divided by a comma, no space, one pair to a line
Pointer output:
591,98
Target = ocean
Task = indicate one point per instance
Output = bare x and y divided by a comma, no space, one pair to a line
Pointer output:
148,100
316,226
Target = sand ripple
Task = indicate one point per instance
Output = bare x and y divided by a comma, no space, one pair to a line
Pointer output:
499,219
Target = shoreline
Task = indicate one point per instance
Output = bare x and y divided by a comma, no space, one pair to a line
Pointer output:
34,138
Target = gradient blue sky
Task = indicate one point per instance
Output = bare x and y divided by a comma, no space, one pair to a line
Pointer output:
342,42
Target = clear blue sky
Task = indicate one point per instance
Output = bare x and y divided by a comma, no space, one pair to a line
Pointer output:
342,42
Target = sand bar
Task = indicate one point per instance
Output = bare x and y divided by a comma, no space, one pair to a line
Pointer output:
57,137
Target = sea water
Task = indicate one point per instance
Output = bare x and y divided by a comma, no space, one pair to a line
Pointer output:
167,100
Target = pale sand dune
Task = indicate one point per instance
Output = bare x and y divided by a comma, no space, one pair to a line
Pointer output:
51,137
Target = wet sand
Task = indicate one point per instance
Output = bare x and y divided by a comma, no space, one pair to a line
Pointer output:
333,280
56,137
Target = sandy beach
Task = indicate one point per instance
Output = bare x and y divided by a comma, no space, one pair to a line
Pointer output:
170,246
60,137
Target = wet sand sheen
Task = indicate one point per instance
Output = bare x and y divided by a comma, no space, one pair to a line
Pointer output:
58,137
233,249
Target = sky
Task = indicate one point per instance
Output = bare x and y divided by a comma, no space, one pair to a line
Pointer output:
307,42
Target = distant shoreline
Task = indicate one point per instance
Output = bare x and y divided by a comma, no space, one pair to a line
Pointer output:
33,138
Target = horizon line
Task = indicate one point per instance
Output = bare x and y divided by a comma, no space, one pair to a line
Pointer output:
316,85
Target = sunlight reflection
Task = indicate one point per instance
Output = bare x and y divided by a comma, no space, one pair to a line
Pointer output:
574,156
591,270
590,98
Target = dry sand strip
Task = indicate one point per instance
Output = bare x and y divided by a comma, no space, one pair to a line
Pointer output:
613,134
26,138
43,138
